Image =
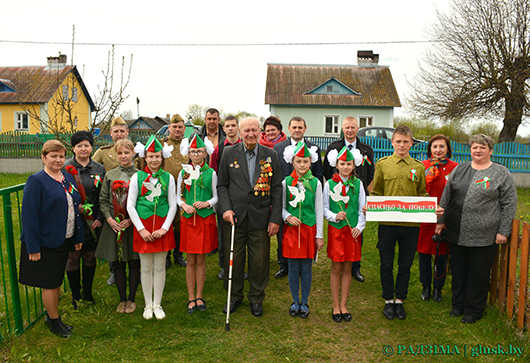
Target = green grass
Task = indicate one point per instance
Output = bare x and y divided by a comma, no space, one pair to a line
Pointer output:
101,335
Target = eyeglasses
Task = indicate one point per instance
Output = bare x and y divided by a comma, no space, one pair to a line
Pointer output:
196,152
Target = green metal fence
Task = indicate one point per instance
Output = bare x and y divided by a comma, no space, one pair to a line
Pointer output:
20,306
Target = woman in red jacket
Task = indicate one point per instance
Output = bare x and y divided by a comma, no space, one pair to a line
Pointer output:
437,170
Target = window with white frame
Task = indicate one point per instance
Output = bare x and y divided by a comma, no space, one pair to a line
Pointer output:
74,94
65,92
21,121
331,123
365,121
75,121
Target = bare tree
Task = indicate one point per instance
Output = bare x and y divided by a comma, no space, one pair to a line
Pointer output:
111,96
477,65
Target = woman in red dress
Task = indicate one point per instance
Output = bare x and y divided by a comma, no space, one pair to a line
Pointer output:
437,170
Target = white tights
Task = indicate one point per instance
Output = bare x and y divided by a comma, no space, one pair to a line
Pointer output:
153,267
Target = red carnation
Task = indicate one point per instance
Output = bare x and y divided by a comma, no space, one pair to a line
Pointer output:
71,169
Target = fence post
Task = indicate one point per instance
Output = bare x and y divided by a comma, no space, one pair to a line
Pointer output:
503,276
12,263
512,265
525,240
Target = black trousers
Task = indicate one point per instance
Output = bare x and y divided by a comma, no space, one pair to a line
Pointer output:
282,261
407,239
257,243
470,267
356,265
176,251
426,272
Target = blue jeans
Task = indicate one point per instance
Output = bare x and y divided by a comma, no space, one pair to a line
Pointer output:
300,267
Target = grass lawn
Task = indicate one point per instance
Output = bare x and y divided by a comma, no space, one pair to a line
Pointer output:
101,335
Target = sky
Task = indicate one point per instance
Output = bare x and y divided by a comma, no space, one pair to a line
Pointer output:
167,78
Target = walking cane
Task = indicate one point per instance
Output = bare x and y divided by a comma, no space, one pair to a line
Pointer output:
227,325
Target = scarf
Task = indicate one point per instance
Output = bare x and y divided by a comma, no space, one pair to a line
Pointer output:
432,173
304,180
337,178
157,175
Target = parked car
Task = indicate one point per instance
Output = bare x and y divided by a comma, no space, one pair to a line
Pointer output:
383,132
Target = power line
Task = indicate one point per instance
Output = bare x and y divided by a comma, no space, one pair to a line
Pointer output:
221,45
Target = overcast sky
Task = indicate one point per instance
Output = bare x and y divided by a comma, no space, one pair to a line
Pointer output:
167,79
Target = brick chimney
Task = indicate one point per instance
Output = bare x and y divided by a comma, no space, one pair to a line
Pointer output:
367,58
57,62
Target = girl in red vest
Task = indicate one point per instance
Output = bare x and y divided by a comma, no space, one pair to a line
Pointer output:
196,196
303,229
344,198
152,204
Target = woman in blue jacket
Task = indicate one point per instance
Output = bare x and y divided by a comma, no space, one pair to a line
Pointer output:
51,227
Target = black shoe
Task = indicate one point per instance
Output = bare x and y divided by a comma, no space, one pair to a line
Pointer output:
180,261
245,276
168,261
256,310
304,313
58,329
234,304
468,319
426,293
294,309
400,312
389,311
87,296
203,306
193,308
437,295
68,327
221,274
357,276
282,272
346,316
337,318
456,312
75,303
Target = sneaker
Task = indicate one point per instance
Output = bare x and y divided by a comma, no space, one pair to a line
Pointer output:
159,312
148,312
400,312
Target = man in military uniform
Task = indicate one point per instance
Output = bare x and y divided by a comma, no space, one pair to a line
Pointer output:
398,175
173,165
106,155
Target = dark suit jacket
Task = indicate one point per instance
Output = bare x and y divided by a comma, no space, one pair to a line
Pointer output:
45,212
287,169
236,192
365,173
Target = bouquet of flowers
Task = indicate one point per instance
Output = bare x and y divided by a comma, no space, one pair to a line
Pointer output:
85,207
120,190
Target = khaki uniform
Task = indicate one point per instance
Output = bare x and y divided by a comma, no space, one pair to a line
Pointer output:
393,178
173,165
108,157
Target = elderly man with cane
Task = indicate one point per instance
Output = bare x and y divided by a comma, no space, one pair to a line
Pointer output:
249,186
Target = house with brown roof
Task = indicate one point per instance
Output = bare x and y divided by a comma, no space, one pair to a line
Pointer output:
326,94
41,99
148,123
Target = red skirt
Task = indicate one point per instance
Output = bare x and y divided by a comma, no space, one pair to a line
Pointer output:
305,247
200,238
342,246
163,244
425,243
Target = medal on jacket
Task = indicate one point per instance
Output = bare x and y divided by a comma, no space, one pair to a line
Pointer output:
485,181
413,175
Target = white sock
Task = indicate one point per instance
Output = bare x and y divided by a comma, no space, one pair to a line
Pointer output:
399,301
389,301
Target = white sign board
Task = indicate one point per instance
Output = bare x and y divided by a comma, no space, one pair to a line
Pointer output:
401,209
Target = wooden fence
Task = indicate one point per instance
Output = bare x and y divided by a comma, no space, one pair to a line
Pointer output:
24,145
515,156
509,287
